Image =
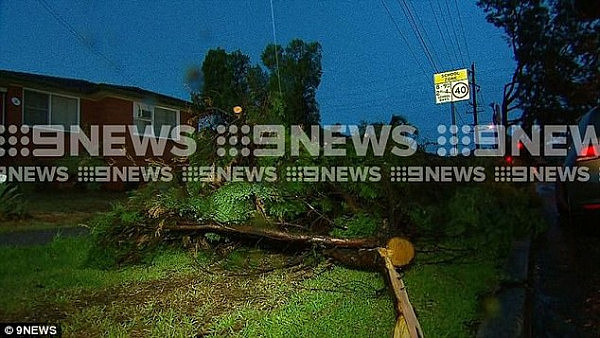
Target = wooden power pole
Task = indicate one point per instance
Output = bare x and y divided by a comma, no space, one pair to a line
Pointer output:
474,96
453,125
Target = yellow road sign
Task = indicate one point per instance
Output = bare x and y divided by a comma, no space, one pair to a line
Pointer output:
451,86
452,76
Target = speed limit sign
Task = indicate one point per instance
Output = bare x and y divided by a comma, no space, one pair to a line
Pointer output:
451,86
460,91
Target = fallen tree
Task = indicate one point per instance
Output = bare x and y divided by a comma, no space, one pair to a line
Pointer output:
354,252
397,253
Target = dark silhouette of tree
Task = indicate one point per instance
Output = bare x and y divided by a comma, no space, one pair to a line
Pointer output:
557,75
586,9
284,93
225,77
295,74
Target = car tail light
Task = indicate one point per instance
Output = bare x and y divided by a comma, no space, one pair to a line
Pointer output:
588,153
592,206
520,145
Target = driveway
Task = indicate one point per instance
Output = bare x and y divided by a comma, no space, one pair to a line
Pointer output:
39,237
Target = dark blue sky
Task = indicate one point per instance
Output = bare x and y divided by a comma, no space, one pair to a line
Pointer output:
369,72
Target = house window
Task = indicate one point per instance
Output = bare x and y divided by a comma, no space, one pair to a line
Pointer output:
40,108
149,119
142,117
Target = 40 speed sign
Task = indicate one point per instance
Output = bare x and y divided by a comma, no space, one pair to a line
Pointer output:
451,86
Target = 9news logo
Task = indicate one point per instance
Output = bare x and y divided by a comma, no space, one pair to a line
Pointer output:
30,330
9,136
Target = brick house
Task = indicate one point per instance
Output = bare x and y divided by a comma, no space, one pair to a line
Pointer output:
39,100
32,104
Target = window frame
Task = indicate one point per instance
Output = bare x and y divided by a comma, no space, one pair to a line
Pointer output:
153,107
50,94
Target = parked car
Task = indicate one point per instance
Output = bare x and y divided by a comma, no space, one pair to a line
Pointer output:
576,198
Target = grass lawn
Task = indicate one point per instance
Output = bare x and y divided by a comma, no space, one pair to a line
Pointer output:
182,294
57,209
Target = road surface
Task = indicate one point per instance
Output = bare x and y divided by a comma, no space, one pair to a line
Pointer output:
565,276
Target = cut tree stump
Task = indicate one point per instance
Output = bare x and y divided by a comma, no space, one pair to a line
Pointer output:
400,251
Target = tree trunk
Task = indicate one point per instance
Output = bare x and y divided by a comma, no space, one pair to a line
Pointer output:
407,324
245,230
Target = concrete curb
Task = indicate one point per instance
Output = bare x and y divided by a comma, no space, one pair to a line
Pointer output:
510,318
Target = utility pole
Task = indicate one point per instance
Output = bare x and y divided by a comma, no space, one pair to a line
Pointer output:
453,112
453,125
474,95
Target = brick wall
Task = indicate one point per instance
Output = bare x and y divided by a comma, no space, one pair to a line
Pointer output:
101,112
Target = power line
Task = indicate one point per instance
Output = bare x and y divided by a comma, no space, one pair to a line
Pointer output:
392,103
423,28
403,38
462,29
275,47
484,103
362,92
413,24
454,54
461,119
84,41
437,23
455,35
365,90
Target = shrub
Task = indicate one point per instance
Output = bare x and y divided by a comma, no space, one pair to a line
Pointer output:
484,215
121,236
72,163
11,202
